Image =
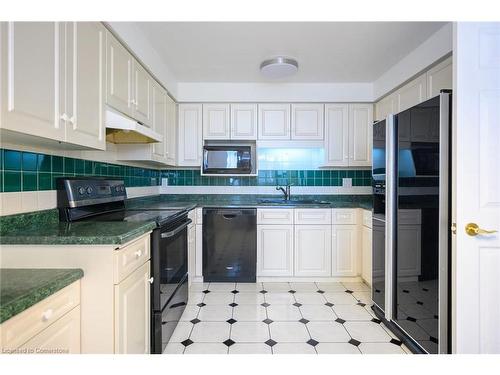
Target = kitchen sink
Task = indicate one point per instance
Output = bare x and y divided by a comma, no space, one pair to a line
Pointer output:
293,202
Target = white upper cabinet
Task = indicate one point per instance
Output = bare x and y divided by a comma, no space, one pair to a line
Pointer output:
171,132
439,77
190,135
274,121
337,135
159,117
386,106
413,93
31,78
313,250
84,104
216,121
360,134
307,121
244,121
118,76
141,98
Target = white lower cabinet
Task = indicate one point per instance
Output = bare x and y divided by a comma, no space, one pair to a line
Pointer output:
275,250
191,252
132,313
366,254
198,272
345,253
313,250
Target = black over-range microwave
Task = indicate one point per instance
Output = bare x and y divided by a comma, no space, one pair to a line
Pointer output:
229,159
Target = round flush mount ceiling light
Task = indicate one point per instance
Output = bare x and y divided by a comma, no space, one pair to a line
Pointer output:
279,67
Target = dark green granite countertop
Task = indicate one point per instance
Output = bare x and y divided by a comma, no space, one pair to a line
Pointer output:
44,228
22,288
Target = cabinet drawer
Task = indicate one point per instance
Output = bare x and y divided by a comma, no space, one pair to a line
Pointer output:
409,216
199,215
21,328
130,258
313,216
274,216
344,216
367,218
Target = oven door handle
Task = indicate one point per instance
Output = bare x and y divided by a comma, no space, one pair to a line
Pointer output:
176,230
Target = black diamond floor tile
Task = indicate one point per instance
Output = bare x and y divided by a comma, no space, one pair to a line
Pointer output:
231,321
312,342
339,320
265,304
375,320
320,291
296,304
349,291
406,291
354,342
228,342
233,304
292,291
263,291
329,304
235,291
270,342
201,304
187,342
195,321
206,291
304,321
267,321
396,342
361,304
411,319
420,303
425,289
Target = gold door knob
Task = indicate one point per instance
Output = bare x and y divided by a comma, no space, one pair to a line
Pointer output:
472,229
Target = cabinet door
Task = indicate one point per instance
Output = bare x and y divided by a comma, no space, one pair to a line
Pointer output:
313,250
307,121
360,134
345,254
159,100
142,109
171,132
132,313
336,135
191,252
216,121
385,107
62,336
366,265
412,93
409,250
244,121
274,121
190,135
118,76
31,78
84,84
439,77
275,250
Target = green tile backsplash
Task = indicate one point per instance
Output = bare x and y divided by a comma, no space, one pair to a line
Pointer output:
28,171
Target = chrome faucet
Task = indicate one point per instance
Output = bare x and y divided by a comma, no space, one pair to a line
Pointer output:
285,190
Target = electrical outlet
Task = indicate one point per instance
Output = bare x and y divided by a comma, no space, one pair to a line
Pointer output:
347,182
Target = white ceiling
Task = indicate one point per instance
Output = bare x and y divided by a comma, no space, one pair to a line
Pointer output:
326,51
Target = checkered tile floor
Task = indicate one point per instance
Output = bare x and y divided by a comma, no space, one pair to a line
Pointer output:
281,318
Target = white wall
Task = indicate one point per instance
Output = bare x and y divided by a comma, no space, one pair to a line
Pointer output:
274,92
437,46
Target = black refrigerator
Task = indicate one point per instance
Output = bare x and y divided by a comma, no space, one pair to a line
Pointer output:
411,224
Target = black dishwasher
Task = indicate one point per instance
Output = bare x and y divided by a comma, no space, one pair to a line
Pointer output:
229,244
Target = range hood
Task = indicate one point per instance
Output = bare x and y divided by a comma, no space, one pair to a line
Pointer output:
121,129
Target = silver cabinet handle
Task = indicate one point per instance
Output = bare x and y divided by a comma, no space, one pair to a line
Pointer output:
176,230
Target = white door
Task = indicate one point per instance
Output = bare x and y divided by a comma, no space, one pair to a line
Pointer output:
159,112
190,135
142,106
216,121
274,250
274,121
31,78
171,132
307,121
313,250
337,135
85,74
118,76
360,135
477,129
132,313
244,121
345,250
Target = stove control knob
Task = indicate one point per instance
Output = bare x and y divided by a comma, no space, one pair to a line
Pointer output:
81,190
89,190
